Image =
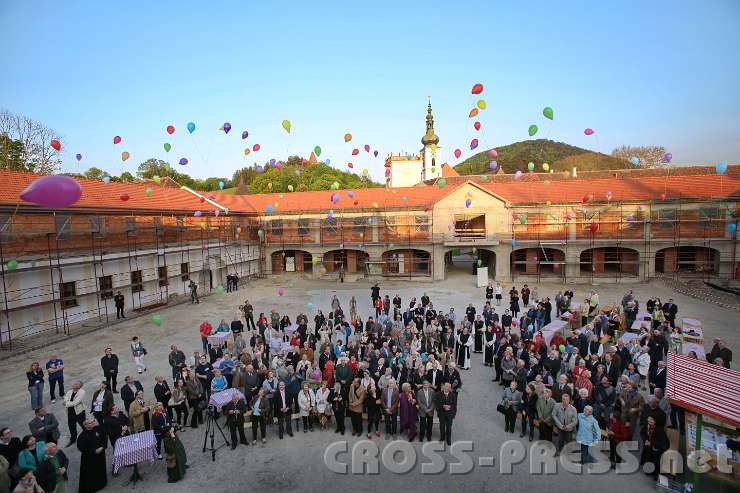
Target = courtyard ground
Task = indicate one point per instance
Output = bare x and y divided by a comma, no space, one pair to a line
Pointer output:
297,463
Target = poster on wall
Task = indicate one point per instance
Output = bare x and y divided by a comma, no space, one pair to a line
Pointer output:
289,264
482,277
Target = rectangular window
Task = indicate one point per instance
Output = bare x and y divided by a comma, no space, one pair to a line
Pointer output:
359,224
162,275
97,225
137,281
330,223
665,218
276,226
422,224
185,271
106,287
708,216
63,227
303,227
131,226
68,292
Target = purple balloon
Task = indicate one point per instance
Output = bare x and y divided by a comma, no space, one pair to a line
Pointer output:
260,170
53,191
493,165
473,144
227,127
272,162
79,157
245,134
375,153
468,202
667,157
183,161
351,194
198,214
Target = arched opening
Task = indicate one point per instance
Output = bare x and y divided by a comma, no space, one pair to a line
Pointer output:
291,261
687,260
548,262
609,261
407,262
353,261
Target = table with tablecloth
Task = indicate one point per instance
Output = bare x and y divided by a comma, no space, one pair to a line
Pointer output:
132,449
644,316
220,399
219,338
638,325
549,330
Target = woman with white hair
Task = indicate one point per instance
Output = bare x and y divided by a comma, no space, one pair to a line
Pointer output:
588,433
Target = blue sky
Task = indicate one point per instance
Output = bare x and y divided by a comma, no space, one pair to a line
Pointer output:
638,73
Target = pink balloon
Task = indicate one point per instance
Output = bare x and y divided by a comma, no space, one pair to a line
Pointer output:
280,291
458,152
588,131
53,191
367,148
493,153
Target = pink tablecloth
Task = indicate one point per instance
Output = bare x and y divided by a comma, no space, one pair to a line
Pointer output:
220,399
133,449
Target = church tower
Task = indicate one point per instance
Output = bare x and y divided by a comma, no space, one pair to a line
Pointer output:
431,165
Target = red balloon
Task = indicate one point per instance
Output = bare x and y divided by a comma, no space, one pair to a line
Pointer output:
477,89
593,227
477,125
124,196
585,199
202,199
256,147
350,165
357,202
355,152
117,139
458,152
56,145
662,196
170,129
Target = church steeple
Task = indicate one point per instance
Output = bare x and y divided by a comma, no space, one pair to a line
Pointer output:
430,138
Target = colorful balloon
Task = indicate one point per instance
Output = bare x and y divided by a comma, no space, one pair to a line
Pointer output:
170,129
347,137
545,167
183,161
367,148
588,131
484,178
667,157
167,147
513,242
12,264
473,112
256,147
247,151
221,185
227,127
286,125
124,197
732,227
197,213
245,134
476,125
532,130
530,166
442,182
157,319
473,144
157,179
721,168
317,151
268,208
458,152
106,179
78,157
53,191
117,139
365,172
355,152
148,192
493,165
468,202
481,104
517,175
634,160
493,152
191,127
125,155
375,153
547,111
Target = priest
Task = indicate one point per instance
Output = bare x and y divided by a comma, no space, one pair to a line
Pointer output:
464,343
91,444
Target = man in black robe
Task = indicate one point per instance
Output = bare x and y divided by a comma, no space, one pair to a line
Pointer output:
115,425
91,444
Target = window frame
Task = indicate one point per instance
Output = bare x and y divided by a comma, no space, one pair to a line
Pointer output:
105,284
136,286
68,301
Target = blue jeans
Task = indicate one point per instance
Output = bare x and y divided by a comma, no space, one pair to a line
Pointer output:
37,395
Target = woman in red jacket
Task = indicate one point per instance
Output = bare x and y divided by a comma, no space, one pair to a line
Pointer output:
619,431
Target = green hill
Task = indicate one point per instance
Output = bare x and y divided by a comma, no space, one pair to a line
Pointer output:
301,177
558,155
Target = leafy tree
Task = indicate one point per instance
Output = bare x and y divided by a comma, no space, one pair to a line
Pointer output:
94,173
312,177
126,177
649,156
29,144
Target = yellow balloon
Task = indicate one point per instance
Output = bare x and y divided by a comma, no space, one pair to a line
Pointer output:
365,171
375,205
549,203
269,185
290,187
286,125
124,155
481,104
546,167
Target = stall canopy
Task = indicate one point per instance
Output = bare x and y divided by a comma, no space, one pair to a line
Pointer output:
704,388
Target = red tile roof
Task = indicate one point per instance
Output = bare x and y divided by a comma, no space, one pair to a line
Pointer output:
99,195
448,171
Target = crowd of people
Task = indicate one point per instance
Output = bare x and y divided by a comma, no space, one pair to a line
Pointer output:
400,368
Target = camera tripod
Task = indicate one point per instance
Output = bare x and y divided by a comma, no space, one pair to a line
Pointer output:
211,426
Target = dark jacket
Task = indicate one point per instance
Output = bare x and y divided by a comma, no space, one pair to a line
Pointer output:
450,400
109,365
46,475
127,395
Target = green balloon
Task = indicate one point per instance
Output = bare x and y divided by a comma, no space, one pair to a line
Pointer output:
167,146
317,151
149,192
12,264
532,130
442,183
547,112
220,289
522,219
157,319
530,166
484,178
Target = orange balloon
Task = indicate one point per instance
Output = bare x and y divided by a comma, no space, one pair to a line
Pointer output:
347,137
247,151
473,112
124,155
